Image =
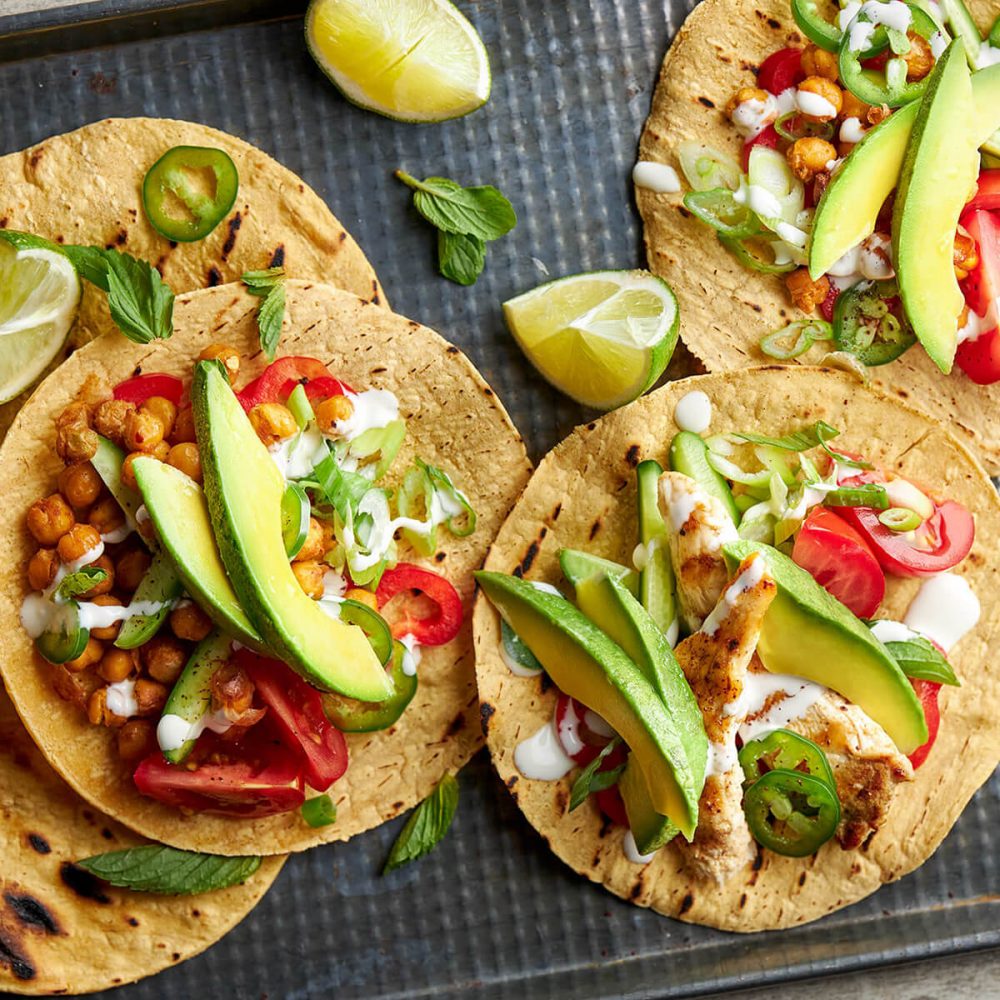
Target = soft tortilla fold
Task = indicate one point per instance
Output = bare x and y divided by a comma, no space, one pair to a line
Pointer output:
454,421
727,308
583,496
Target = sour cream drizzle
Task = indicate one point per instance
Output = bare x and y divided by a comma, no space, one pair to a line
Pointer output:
798,696
411,658
747,580
659,178
632,852
541,755
693,412
121,698
172,732
373,408
945,609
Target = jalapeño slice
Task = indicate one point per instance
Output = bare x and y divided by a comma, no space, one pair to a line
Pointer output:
189,191
783,750
64,639
351,716
791,813
868,322
295,513
374,626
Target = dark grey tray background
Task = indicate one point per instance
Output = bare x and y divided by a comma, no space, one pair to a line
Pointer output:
491,912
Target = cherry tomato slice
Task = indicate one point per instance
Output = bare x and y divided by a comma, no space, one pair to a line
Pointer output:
577,738
139,388
980,358
275,383
827,306
781,70
987,194
768,137
951,525
296,709
609,801
248,788
927,692
435,629
839,559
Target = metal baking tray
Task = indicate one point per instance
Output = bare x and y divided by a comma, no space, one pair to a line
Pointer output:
491,912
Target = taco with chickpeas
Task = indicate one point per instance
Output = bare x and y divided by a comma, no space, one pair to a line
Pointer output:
236,619
829,172
733,645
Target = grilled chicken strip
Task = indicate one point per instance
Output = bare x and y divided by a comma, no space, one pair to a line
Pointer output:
715,662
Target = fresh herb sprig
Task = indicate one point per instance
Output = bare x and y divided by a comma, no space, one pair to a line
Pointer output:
919,658
591,779
168,871
84,579
427,825
466,218
269,287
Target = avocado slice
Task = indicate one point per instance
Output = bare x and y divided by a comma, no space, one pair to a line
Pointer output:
808,633
243,488
650,830
161,585
588,666
578,566
939,170
177,508
656,578
108,461
689,455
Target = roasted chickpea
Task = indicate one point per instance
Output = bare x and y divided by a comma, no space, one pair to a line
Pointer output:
806,293
189,622
273,422
99,713
163,409
310,577
143,431
76,688
164,658
743,95
965,255
186,457
878,114
109,419
102,588
131,568
75,441
150,696
920,59
49,519
80,484
819,62
232,689
229,357
160,452
42,568
106,516
91,654
136,739
77,542
853,107
363,596
314,545
329,411
184,427
110,633
808,157
128,473
828,91
117,664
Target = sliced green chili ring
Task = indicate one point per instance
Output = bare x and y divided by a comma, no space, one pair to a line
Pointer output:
791,813
900,519
866,495
806,127
168,187
742,252
826,35
319,811
372,624
805,331
891,86
295,511
864,324
367,717
63,640
720,210
786,751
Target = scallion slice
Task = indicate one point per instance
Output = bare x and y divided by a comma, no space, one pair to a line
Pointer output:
900,519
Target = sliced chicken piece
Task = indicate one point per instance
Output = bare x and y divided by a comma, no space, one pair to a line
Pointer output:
715,662
701,525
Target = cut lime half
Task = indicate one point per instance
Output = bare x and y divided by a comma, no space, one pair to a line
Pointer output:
413,60
602,338
39,295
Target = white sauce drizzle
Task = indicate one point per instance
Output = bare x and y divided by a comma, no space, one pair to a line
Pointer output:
105,615
851,130
541,755
172,732
887,630
747,580
693,412
517,669
298,455
798,696
722,758
632,852
945,609
814,105
411,658
659,178
121,699
568,730
373,408
334,588
753,116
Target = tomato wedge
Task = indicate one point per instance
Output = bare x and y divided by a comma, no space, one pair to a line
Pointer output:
139,388
296,709
781,70
276,382
418,585
979,358
987,194
951,528
927,693
768,137
576,737
839,559
248,788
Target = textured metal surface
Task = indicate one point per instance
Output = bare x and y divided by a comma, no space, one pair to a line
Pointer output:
491,912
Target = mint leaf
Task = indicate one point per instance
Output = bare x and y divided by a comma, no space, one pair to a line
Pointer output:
168,871
591,779
461,258
427,825
919,658
473,211
268,285
81,581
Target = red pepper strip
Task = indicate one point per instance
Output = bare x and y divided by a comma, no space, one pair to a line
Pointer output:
139,388
276,382
780,70
435,629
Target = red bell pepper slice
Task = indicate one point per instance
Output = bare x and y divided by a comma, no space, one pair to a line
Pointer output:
139,388
415,584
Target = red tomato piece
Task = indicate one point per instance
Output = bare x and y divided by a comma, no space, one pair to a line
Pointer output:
987,194
435,629
609,801
247,788
951,526
781,70
828,304
275,383
979,358
839,559
296,709
578,740
768,137
927,692
139,388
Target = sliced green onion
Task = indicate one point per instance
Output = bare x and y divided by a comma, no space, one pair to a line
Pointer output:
800,440
319,811
806,128
758,529
735,474
740,249
744,501
720,210
298,403
705,168
795,339
867,495
900,519
824,435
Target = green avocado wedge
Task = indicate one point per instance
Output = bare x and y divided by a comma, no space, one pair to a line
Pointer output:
808,633
177,508
243,488
108,461
578,566
587,665
159,587
940,168
650,830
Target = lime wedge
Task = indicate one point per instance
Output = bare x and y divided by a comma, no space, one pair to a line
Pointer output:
602,338
413,60
39,295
